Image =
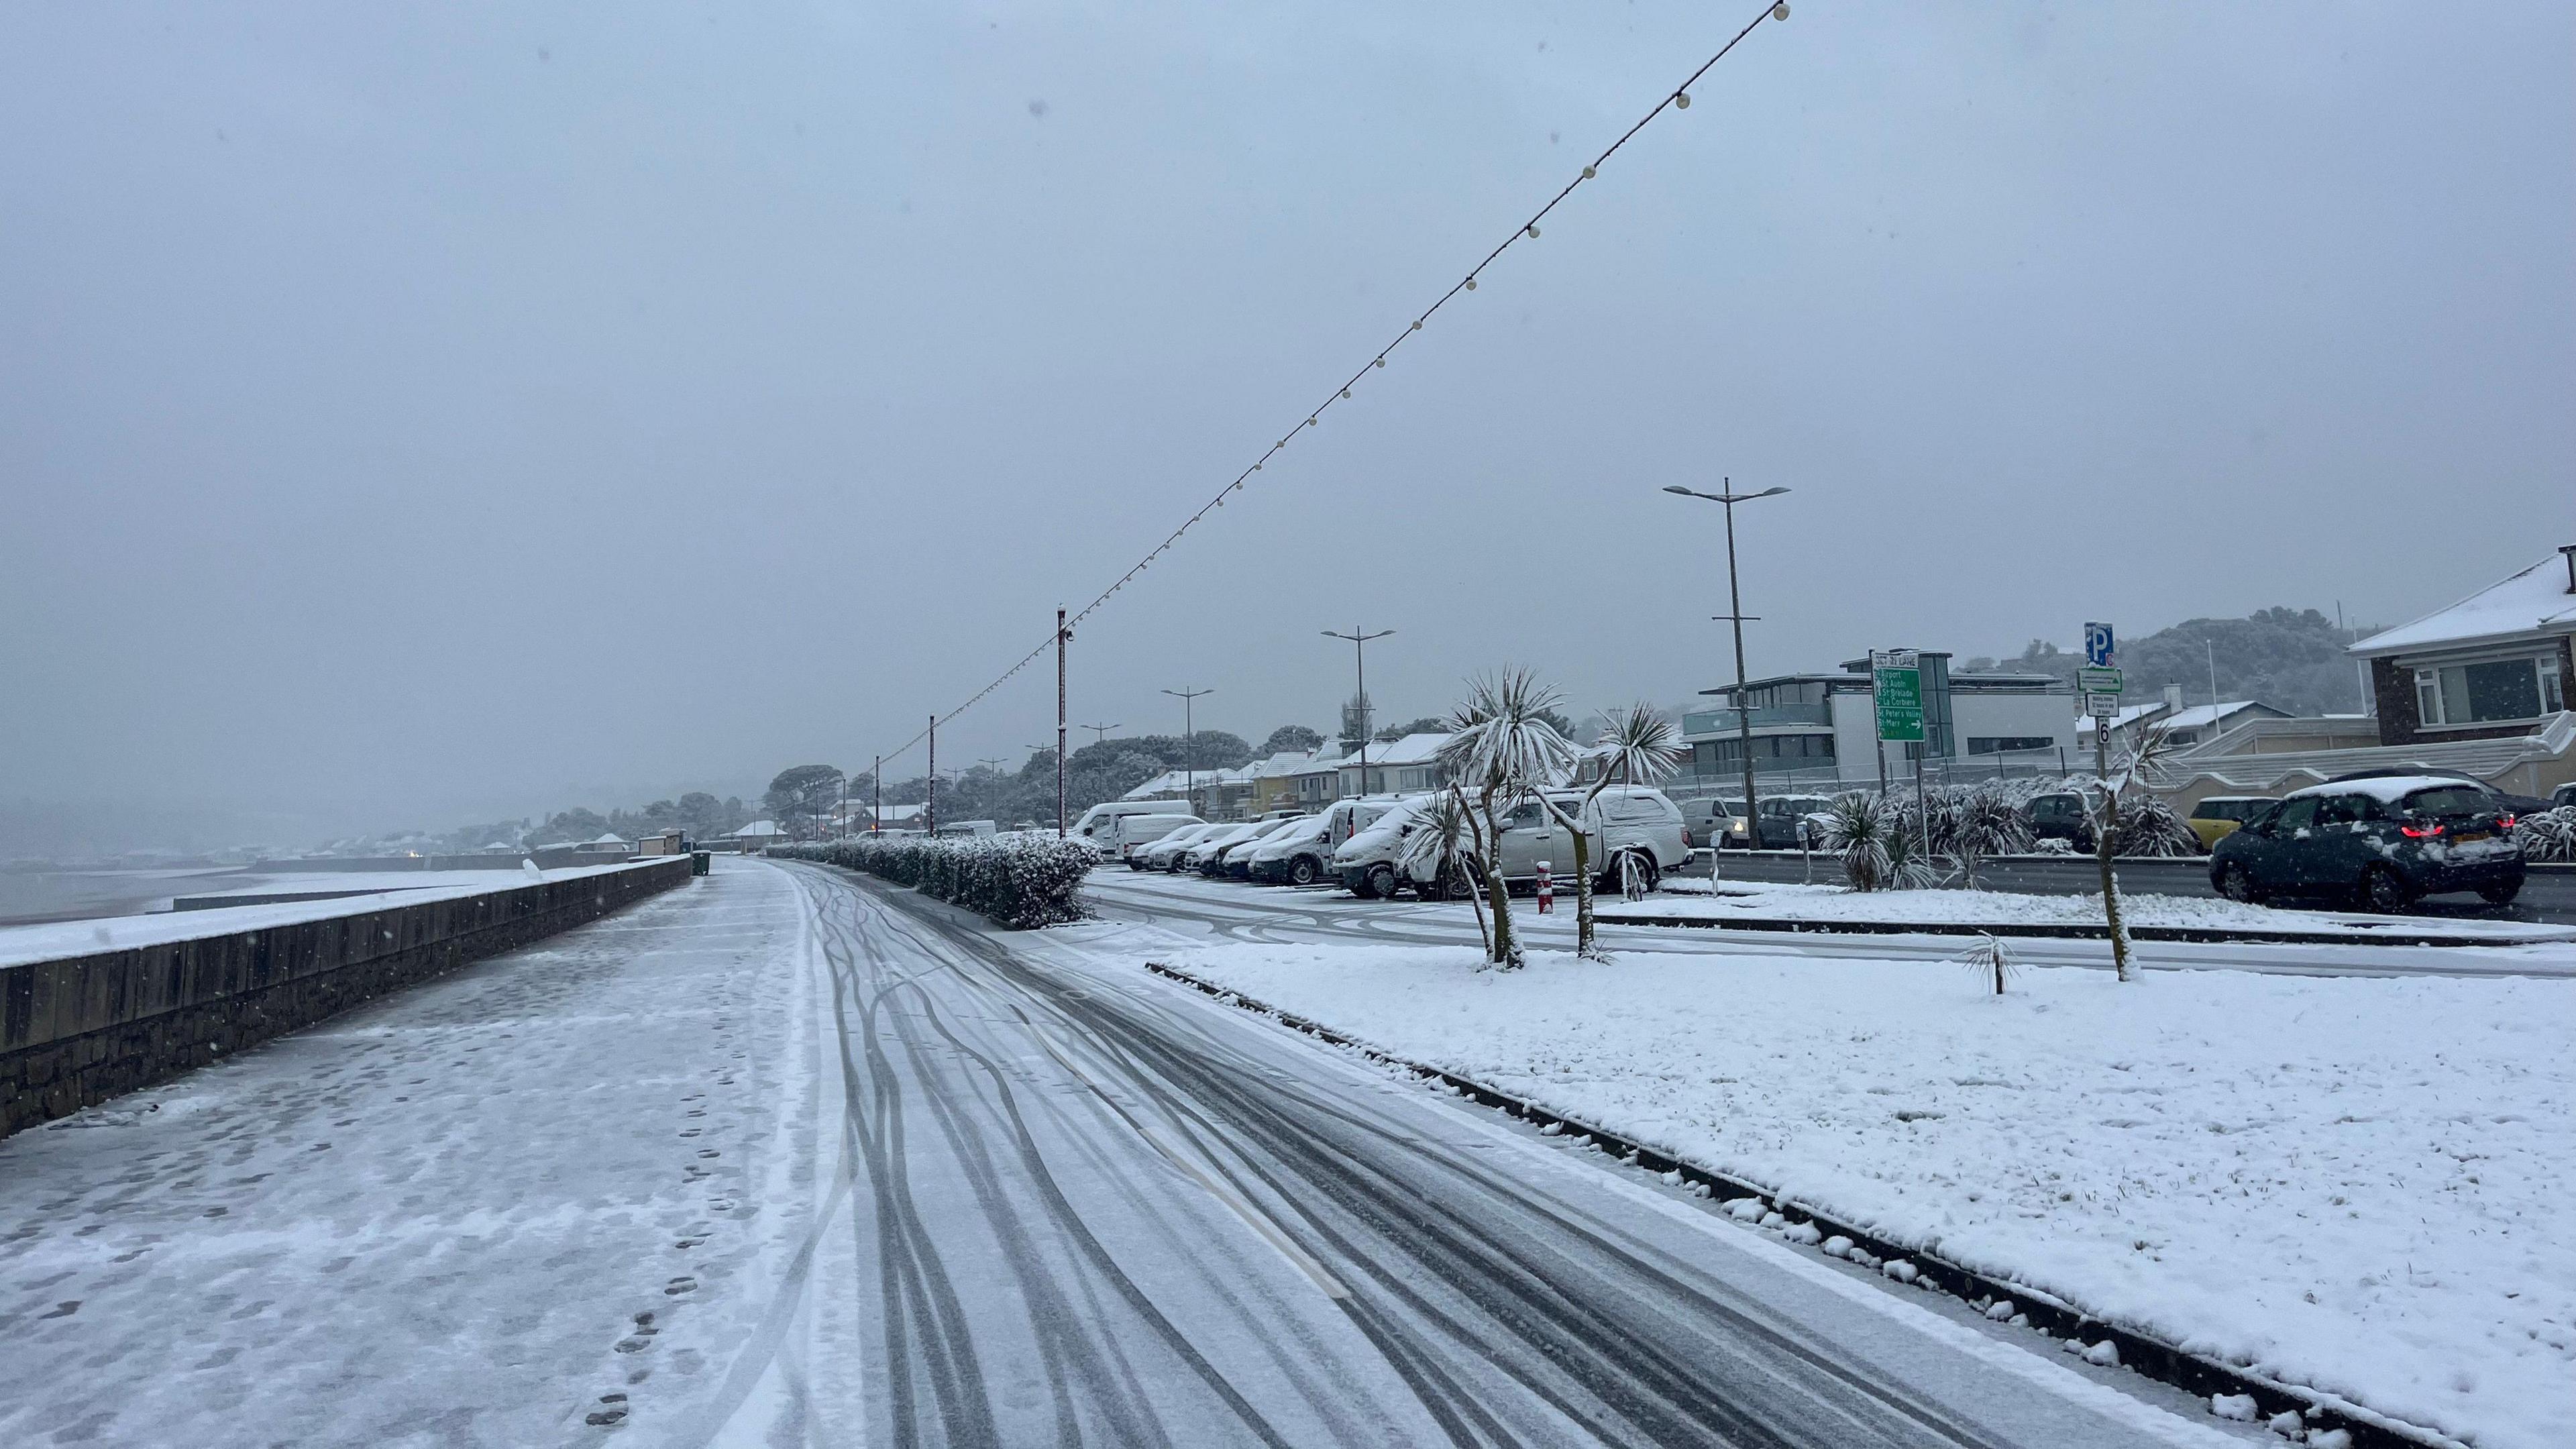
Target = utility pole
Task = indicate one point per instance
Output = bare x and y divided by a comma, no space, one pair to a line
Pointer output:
876,778
1359,652
1061,635
1190,740
930,810
1727,496
2210,651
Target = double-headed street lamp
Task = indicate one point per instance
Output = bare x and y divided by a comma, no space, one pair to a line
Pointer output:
1359,640
1189,739
1735,615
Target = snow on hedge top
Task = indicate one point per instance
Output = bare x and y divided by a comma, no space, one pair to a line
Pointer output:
2535,599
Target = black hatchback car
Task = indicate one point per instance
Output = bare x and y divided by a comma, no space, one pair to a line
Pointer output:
2380,843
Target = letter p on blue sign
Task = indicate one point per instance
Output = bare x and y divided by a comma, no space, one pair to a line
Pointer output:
2098,647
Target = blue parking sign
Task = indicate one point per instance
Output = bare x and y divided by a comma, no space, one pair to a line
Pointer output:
2098,647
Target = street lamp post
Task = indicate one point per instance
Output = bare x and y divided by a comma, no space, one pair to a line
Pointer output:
1189,740
1735,615
1359,651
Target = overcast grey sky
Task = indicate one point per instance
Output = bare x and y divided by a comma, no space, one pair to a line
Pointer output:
411,415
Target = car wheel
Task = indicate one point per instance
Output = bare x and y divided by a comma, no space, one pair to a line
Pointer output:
1302,871
1615,878
1377,883
2237,884
2500,894
2385,891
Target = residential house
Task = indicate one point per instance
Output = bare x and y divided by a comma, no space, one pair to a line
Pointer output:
2492,666
2183,725
1397,767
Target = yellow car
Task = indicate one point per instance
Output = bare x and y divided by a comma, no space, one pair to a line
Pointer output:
2219,815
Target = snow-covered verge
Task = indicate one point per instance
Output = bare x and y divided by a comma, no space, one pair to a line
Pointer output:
1975,908
2357,1184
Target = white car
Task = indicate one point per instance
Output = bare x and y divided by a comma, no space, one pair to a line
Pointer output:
1165,854
1196,856
1235,860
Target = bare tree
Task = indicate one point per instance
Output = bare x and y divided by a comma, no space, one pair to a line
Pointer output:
1638,745
1503,748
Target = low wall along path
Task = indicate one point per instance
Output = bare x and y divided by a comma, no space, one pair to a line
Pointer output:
79,1029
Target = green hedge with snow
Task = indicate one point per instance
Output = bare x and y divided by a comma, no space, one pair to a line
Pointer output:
1022,881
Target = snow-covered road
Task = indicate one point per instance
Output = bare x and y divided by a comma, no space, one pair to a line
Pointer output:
786,1158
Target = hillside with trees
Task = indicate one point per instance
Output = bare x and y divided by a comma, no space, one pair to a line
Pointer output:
2289,658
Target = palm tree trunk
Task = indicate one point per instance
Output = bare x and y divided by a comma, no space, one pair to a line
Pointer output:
1506,951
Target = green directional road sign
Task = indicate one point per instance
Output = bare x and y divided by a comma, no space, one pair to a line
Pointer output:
2099,681
1896,685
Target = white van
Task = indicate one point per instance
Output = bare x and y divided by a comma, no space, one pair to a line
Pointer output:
969,829
1128,834
1098,821
1302,857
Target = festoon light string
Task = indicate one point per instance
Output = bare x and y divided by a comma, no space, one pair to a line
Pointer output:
1676,99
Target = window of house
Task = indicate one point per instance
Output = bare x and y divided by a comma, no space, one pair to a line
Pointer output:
2496,689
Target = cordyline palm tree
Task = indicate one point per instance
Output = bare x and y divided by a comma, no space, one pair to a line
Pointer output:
1442,837
1501,748
2102,802
1983,821
1638,747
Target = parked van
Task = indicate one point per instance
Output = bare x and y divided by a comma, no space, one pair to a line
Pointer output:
1129,833
1100,819
969,829
1302,857
1368,861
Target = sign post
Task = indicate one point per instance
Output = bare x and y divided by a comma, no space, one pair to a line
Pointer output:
2100,681
1896,696
1546,889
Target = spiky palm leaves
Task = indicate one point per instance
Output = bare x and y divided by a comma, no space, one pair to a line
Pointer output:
1858,828
1977,823
1439,840
1638,746
1501,748
2547,834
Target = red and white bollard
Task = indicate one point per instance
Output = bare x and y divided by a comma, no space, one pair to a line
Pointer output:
1546,890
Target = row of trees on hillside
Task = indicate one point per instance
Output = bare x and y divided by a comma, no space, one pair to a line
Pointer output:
2292,658
802,797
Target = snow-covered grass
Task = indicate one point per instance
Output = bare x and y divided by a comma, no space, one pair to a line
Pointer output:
2357,1184
1965,907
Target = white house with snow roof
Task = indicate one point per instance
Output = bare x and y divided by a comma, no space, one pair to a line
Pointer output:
2493,665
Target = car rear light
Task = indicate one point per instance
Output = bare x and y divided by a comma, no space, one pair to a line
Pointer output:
2504,822
2419,832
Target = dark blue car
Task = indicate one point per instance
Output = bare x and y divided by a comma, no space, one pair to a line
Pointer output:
2379,843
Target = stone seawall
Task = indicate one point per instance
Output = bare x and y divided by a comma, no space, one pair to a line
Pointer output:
81,1029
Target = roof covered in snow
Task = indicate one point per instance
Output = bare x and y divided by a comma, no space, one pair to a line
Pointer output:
1411,750
2534,601
759,829
2199,716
